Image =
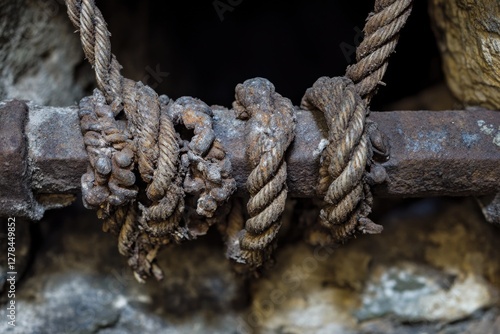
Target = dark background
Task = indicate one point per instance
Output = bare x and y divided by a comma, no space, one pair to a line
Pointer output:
291,43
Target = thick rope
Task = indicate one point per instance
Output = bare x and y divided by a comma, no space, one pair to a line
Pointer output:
271,130
172,166
348,199
151,143
94,35
348,166
381,37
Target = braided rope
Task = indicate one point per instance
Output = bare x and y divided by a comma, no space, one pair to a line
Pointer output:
271,130
347,154
348,167
153,148
151,144
381,37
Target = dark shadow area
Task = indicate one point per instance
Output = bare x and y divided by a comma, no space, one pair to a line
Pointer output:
190,48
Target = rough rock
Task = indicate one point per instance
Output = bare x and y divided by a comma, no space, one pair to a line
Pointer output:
435,269
79,283
468,35
35,64
429,265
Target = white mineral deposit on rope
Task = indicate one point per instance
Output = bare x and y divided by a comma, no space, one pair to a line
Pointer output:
321,146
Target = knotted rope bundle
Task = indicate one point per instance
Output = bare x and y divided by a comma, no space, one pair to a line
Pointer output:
271,130
174,168
150,145
203,161
349,163
347,155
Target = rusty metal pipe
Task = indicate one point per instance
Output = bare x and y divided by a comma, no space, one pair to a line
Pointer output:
445,153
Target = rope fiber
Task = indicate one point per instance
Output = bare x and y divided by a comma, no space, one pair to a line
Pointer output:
171,146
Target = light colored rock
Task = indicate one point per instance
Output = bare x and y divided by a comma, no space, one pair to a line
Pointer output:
305,292
448,274
468,34
411,292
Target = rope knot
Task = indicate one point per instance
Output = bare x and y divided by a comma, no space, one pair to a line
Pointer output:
346,159
270,130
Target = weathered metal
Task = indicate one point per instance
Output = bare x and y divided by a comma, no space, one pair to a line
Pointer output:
16,197
445,153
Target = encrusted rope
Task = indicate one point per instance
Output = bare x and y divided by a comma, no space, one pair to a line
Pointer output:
271,130
109,181
207,168
150,144
174,164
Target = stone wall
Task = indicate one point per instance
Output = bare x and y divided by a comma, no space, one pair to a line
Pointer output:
40,56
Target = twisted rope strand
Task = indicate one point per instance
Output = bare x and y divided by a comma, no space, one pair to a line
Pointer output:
382,30
96,45
348,167
272,125
347,151
154,151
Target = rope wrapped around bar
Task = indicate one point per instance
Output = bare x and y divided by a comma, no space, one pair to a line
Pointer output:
271,127
350,162
345,159
149,143
171,167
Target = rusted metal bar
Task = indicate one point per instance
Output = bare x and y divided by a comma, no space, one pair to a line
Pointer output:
446,153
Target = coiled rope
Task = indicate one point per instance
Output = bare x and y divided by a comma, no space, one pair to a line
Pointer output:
173,167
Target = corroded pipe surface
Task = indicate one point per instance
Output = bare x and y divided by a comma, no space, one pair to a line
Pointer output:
445,153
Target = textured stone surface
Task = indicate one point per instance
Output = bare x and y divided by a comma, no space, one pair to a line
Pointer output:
468,34
78,283
430,264
40,56
435,269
